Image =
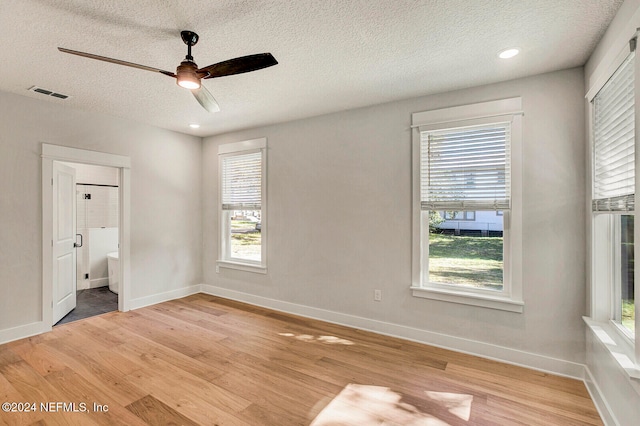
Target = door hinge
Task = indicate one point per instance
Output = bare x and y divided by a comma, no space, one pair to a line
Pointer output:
51,181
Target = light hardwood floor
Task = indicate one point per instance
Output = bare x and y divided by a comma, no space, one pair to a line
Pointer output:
210,361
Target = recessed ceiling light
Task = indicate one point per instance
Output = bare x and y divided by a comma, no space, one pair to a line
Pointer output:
194,125
509,53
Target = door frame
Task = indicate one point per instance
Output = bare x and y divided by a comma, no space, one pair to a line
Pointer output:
51,153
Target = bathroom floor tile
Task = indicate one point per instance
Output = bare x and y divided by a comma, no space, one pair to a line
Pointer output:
90,302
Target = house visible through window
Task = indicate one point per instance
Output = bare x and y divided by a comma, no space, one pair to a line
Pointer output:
242,205
465,215
463,179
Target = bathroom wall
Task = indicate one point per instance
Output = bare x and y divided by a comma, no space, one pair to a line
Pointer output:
97,222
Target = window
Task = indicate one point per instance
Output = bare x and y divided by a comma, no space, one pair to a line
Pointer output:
242,186
468,169
465,215
613,197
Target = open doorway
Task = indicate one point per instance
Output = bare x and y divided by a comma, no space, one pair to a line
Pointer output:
67,276
96,242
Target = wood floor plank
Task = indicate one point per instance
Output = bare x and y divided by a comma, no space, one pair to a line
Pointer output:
561,403
156,412
103,374
8,355
143,353
33,388
102,409
211,361
564,384
188,400
40,357
187,339
533,415
9,394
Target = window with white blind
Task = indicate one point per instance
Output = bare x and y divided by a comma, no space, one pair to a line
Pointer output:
467,164
465,168
242,187
614,142
613,197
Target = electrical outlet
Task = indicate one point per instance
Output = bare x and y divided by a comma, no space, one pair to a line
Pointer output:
217,269
377,295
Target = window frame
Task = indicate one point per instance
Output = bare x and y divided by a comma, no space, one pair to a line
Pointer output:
602,241
224,230
510,298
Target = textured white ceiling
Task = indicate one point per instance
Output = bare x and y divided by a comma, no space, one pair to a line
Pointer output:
333,54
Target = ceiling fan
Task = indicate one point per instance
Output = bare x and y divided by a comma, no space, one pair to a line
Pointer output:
188,75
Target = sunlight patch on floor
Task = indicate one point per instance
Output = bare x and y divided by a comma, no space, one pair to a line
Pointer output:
458,404
378,405
331,340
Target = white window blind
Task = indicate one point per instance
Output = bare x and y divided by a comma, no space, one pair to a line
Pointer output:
614,152
466,168
242,181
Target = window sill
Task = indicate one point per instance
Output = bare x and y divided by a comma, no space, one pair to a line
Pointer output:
469,298
619,348
247,267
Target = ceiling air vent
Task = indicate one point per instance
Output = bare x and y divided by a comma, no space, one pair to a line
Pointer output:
48,92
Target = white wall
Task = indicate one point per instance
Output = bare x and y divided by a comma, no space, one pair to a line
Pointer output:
615,388
166,226
339,189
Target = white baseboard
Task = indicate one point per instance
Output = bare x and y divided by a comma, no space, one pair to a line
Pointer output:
20,332
141,302
87,284
598,399
98,282
472,347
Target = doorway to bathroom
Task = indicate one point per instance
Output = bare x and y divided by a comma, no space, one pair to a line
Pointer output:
60,271
96,241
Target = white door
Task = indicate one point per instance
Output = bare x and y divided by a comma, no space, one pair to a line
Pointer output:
64,234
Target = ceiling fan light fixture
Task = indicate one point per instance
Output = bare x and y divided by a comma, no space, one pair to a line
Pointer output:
188,83
187,76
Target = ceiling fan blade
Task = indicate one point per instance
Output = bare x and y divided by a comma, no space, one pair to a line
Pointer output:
238,65
116,61
206,99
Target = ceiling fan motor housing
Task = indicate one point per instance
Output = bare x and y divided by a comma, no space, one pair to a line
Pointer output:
187,75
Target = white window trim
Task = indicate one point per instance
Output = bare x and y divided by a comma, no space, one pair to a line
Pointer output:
618,346
625,351
234,263
510,299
